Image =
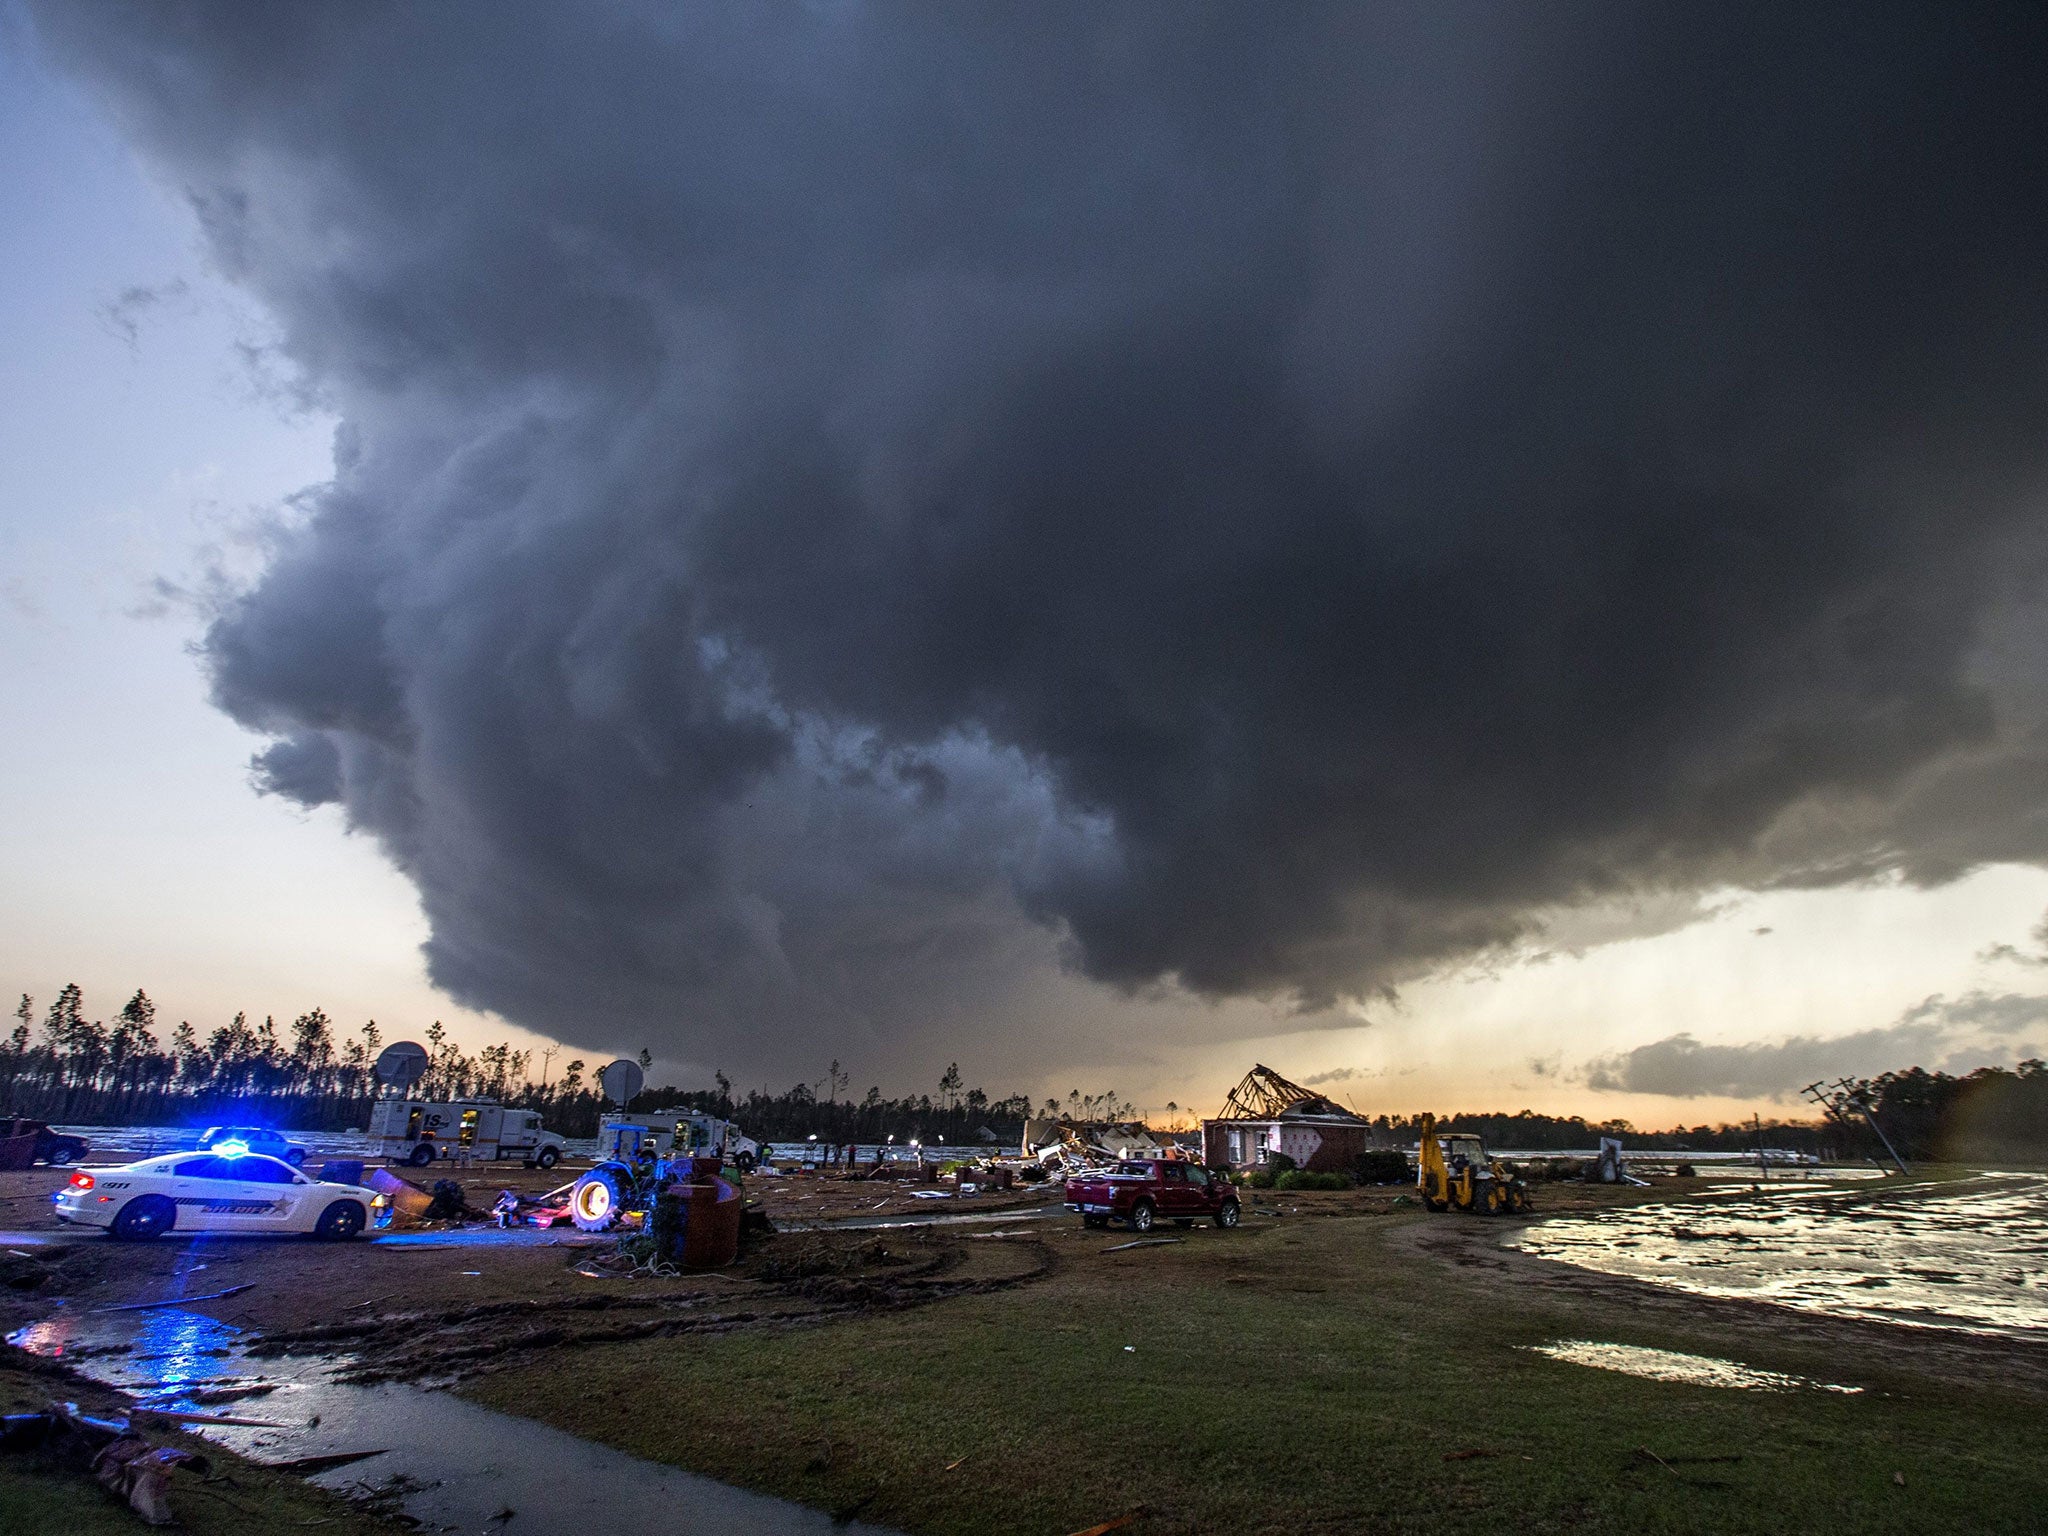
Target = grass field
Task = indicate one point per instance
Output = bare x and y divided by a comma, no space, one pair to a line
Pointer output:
1308,1375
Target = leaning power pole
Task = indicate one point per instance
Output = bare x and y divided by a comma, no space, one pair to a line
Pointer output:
1844,1098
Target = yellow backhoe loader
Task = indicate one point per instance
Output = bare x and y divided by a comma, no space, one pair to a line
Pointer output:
1453,1172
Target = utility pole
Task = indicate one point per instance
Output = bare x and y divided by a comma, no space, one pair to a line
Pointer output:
1842,1099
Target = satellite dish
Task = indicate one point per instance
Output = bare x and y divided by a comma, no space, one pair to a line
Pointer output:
401,1064
621,1081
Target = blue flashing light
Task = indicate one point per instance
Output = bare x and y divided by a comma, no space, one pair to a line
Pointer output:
231,1148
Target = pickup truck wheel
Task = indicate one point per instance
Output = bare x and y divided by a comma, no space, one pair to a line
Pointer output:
1227,1217
548,1157
1141,1216
421,1155
341,1220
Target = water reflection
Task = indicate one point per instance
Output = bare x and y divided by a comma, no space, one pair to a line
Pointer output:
1669,1365
1976,1258
456,1464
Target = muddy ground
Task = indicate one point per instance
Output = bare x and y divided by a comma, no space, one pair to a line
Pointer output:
449,1299
1511,1277
806,1197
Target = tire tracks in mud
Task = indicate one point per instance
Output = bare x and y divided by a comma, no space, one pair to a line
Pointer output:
443,1347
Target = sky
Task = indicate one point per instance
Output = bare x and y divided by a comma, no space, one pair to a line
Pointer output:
1488,563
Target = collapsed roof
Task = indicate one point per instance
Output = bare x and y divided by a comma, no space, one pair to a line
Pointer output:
1266,1095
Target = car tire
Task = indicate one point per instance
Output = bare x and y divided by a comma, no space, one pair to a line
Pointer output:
145,1217
296,1157
1141,1216
421,1155
60,1156
341,1221
547,1158
1228,1216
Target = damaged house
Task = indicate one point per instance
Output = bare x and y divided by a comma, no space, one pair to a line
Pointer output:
1081,1143
1266,1114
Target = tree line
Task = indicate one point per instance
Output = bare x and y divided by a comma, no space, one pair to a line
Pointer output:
1994,1114
310,1075
313,1075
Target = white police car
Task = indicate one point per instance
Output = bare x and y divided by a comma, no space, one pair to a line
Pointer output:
222,1190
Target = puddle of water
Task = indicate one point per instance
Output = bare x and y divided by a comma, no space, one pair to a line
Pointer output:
1975,1259
1669,1365
462,1463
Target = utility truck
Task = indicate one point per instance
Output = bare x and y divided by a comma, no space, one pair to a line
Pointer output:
420,1132
688,1133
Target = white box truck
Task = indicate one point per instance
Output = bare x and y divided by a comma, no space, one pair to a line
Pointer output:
420,1132
688,1133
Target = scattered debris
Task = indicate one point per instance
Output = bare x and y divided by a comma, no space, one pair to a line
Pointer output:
1113,1525
179,1301
1146,1242
121,1461
306,1466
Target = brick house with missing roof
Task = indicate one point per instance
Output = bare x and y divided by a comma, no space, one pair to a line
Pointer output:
1266,1114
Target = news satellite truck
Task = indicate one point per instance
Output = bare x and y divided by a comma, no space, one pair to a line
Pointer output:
420,1132
673,1134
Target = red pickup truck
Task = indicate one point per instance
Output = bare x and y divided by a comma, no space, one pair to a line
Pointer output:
1142,1191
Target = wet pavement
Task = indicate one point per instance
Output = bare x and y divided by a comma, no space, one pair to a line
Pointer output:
448,1463
1972,1256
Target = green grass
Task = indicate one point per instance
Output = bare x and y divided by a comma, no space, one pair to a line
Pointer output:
1299,1378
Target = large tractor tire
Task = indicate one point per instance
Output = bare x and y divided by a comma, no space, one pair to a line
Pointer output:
598,1199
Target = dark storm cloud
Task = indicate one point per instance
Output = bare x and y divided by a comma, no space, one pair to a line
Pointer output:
1277,496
